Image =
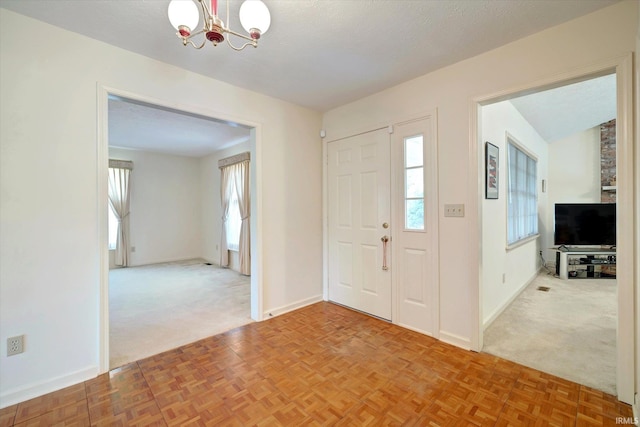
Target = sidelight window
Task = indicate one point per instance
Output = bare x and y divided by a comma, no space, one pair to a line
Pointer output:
414,183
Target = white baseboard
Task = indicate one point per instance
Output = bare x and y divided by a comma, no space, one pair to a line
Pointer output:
166,261
456,340
294,306
212,262
420,331
12,397
498,311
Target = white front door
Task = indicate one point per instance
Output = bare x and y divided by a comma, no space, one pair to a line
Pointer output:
415,213
359,218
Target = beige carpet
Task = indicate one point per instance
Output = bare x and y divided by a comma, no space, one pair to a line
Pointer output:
163,306
569,331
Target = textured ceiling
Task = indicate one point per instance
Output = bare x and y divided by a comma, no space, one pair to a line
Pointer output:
319,53
561,112
144,127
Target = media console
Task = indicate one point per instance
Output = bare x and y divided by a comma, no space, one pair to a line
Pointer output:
583,263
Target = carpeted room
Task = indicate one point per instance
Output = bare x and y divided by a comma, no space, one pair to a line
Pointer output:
561,323
154,308
168,288
568,330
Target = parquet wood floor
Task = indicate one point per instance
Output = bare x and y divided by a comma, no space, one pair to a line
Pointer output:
321,365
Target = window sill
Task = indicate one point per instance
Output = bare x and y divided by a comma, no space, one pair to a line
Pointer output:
522,242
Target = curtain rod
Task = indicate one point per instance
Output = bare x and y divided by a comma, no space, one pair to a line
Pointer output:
238,158
121,164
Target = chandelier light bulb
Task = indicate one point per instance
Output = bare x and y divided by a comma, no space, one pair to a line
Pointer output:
255,18
184,16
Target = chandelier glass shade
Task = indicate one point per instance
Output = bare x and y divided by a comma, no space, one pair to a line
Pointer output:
184,15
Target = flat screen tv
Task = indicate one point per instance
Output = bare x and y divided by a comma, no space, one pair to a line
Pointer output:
585,224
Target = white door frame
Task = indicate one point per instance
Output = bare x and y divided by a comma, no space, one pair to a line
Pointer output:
326,139
626,258
102,160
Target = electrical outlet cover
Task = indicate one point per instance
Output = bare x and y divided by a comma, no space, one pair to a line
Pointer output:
15,345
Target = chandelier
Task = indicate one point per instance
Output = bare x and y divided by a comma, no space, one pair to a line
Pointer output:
184,16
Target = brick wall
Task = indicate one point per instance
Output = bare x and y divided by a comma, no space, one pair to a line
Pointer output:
608,160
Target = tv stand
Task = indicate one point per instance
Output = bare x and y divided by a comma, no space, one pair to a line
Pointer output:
585,263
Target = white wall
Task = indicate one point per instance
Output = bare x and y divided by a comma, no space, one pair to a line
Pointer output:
574,173
166,206
519,265
574,168
211,205
575,45
49,251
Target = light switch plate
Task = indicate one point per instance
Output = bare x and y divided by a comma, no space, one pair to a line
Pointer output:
454,210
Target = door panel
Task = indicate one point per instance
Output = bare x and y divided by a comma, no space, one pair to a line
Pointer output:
414,261
415,239
358,205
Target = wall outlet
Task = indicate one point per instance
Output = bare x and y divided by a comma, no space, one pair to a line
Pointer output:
15,345
133,249
454,210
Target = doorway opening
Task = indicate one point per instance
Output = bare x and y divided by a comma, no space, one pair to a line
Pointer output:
176,223
511,272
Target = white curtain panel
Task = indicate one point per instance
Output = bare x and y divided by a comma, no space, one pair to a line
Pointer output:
235,181
119,200
226,187
241,177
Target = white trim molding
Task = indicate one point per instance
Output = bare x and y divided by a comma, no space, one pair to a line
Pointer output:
622,66
455,340
627,225
102,159
498,311
291,307
30,391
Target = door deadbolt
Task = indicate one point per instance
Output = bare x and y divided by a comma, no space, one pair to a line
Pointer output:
385,225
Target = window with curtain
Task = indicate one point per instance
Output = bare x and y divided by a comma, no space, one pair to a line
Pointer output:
113,229
236,208
234,221
522,195
119,201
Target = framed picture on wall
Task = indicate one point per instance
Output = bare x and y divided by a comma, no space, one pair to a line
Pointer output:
492,178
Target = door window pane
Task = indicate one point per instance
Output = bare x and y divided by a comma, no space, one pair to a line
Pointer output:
415,214
413,151
414,183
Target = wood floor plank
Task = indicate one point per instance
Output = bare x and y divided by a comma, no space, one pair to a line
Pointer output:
73,414
8,415
322,365
41,405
